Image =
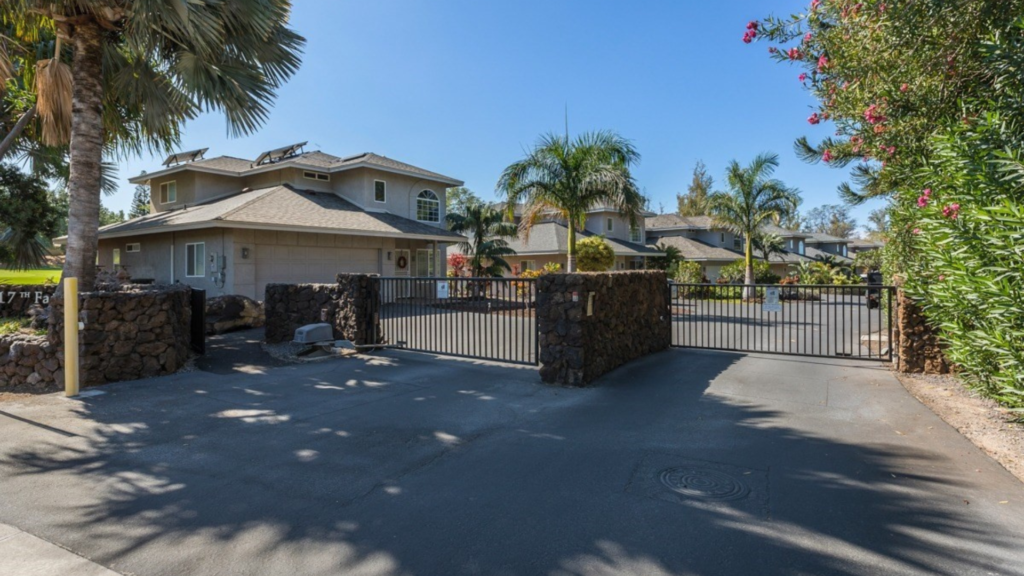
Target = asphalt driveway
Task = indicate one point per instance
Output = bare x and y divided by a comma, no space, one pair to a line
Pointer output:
682,463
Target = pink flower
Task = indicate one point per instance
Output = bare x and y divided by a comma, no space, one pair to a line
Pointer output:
747,38
752,25
873,116
922,201
815,4
807,37
802,77
822,63
951,211
904,87
917,231
942,277
927,192
794,53
827,156
813,118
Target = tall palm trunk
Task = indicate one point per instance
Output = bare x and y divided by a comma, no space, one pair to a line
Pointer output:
570,260
19,127
749,291
86,155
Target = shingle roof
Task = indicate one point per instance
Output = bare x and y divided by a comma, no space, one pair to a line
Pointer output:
665,221
783,232
865,243
284,207
315,159
553,238
824,238
692,249
821,255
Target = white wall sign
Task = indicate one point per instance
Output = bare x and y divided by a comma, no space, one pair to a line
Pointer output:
771,300
442,289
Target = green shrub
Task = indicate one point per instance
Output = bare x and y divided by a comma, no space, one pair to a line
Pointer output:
13,325
689,272
593,254
736,273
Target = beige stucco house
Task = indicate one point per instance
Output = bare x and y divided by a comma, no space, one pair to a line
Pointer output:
232,226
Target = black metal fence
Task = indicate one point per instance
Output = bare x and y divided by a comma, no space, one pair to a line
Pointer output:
485,318
804,320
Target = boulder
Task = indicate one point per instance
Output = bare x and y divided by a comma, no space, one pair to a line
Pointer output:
233,312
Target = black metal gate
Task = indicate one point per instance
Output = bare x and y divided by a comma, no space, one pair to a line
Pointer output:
485,318
803,320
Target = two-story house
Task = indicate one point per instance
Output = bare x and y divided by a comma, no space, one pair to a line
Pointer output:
548,240
231,225
699,239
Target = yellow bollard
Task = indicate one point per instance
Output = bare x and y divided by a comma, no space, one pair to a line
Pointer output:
71,337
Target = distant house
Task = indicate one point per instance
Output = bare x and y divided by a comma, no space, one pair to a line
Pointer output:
548,241
859,245
232,226
699,239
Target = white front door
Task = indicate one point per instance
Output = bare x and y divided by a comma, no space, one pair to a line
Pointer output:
424,263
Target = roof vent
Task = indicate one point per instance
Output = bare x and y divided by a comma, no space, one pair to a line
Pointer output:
185,157
278,154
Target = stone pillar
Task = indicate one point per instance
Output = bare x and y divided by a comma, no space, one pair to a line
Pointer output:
591,323
917,346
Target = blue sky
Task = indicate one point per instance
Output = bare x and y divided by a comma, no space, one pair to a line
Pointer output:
462,87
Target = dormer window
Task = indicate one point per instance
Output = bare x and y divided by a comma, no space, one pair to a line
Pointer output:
380,191
636,234
428,207
310,175
609,224
169,192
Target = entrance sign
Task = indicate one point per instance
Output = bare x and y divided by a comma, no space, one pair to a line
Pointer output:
442,290
771,300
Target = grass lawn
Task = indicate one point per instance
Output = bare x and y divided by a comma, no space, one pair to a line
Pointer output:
38,276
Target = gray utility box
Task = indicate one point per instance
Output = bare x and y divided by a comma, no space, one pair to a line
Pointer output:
314,334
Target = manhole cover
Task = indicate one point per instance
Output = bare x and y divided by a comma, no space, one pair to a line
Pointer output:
704,483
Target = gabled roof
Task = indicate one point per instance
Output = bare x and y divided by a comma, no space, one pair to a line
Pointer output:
820,238
281,208
315,160
693,249
821,255
677,222
553,238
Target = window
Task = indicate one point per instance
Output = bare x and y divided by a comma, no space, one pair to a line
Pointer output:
380,191
425,263
609,224
134,247
527,265
801,247
428,207
117,256
636,234
195,259
308,175
168,192
721,238
736,243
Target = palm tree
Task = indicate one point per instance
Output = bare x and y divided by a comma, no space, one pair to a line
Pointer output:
754,199
567,178
487,233
667,262
768,244
135,72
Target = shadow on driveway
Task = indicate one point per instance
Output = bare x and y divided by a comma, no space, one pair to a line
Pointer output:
682,463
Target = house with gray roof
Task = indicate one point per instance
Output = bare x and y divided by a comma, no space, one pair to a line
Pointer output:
700,239
232,225
548,240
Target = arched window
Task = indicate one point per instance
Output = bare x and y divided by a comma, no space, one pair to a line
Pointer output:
428,207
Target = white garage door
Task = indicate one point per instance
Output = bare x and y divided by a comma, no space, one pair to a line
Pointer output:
311,264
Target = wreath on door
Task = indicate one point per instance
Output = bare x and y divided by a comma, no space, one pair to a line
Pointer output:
402,262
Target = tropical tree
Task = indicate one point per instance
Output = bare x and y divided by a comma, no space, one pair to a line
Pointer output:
878,224
567,177
27,219
695,201
768,244
140,202
487,235
753,200
831,219
458,198
667,262
595,255
124,76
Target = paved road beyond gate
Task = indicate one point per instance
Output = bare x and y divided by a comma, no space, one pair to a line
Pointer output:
803,320
485,318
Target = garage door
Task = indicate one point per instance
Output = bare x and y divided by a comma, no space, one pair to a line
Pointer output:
311,264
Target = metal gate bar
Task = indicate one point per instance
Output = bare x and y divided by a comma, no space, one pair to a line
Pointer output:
852,321
482,318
